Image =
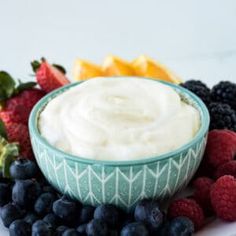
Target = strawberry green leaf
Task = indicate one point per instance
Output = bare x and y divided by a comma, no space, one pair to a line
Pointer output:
35,65
7,85
25,86
3,132
8,153
60,68
11,152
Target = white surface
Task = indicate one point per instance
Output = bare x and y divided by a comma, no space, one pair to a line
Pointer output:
196,39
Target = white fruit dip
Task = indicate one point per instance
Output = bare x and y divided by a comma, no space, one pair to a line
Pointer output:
123,118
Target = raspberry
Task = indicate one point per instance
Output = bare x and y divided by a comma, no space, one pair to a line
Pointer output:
202,187
228,168
220,148
223,198
188,208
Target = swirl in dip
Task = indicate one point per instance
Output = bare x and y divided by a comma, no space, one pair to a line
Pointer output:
122,118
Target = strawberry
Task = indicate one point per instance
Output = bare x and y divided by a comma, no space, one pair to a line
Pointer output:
19,133
17,100
49,77
17,109
28,98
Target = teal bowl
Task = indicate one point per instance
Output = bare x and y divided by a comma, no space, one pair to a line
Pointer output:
122,183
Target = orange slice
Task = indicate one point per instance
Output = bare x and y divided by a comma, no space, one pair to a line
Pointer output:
145,66
114,66
84,70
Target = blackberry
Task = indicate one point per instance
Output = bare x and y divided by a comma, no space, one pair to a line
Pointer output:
198,88
224,92
222,116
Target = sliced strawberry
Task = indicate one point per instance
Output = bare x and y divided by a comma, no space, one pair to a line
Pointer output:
49,77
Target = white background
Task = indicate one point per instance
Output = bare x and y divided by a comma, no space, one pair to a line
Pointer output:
195,38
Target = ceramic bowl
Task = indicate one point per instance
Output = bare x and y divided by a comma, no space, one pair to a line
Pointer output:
121,183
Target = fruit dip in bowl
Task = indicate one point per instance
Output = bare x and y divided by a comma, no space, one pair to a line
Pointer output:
119,140
119,119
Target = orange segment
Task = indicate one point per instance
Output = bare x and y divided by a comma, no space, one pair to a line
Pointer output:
144,66
84,70
114,66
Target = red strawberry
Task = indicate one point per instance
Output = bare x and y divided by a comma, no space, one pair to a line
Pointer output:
18,108
28,98
50,77
19,133
18,115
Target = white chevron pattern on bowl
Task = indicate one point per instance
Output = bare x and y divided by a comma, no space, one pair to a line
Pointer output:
96,184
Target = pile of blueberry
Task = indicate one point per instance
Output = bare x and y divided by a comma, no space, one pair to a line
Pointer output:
30,206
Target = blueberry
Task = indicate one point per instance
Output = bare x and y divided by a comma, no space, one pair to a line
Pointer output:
148,212
107,213
48,189
41,228
52,219
25,192
127,218
71,232
60,230
86,214
180,226
97,227
5,193
23,169
43,204
66,209
113,232
20,228
82,229
10,213
134,229
31,218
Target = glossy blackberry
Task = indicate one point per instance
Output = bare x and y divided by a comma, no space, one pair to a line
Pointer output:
224,92
222,116
198,88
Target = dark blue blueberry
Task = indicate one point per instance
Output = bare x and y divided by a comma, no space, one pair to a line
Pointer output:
25,192
163,231
86,214
67,210
48,189
31,218
82,229
127,218
20,228
52,219
107,213
43,204
97,227
10,213
60,230
41,228
148,212
23,169
71,232
180,226
134,229
113,232
5,193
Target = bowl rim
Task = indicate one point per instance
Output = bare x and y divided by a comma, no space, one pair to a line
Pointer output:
34,130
